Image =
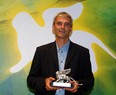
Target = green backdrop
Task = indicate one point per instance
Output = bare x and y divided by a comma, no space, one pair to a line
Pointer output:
98,18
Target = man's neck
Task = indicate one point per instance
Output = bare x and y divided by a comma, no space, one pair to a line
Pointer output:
61,42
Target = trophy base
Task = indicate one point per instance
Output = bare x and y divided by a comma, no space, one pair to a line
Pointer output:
62,85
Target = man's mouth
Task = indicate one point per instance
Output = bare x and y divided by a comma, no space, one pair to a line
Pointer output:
62,31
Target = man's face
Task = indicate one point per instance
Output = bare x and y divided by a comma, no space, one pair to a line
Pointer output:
62,28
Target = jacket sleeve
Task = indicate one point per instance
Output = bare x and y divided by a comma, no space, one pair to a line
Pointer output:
87,78
34,79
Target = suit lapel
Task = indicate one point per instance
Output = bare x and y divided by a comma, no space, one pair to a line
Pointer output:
70,55
53,54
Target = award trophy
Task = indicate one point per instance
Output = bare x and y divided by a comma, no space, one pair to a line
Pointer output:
63,80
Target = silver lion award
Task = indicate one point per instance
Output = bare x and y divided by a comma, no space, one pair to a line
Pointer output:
63,80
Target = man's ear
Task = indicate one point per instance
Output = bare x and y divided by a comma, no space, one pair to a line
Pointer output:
71,31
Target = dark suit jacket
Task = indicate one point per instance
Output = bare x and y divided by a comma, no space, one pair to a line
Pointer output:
45,64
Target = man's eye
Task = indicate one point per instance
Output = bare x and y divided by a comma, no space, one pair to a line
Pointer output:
67,24
59,23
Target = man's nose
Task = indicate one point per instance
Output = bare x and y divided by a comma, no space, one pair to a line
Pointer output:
63,25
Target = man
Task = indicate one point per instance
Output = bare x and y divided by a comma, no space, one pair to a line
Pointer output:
59,55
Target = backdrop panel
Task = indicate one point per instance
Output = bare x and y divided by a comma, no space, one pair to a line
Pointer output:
26,24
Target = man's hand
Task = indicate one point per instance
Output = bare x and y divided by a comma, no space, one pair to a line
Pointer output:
75,87
47,84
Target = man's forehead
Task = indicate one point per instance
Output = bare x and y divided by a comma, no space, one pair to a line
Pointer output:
63,18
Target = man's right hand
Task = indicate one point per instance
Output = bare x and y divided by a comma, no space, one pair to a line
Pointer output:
47,84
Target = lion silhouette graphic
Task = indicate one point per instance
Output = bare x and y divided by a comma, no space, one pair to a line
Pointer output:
31,35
